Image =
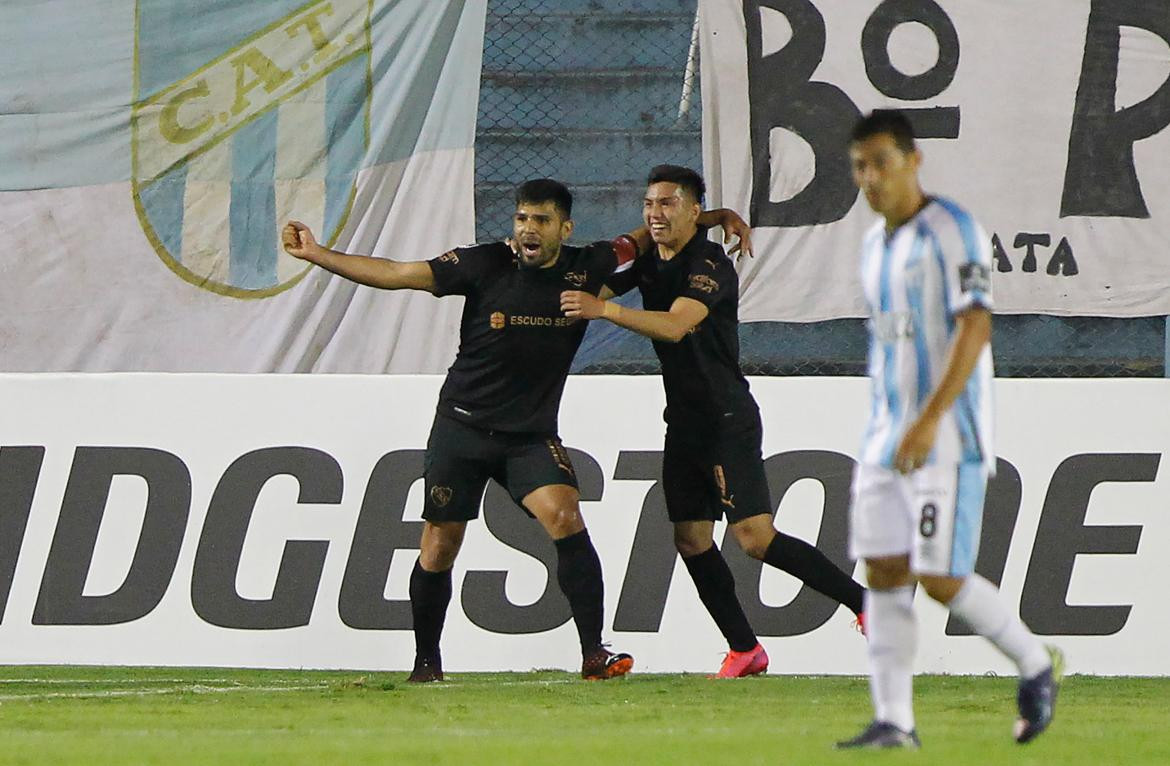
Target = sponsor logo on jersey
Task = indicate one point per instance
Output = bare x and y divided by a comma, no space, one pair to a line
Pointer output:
497,320
230,142
576,278
518,320
703,283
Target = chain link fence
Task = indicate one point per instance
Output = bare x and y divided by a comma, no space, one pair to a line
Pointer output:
596,92
589,92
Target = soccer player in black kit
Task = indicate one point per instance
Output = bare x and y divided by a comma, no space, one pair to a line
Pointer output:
497,411
712,459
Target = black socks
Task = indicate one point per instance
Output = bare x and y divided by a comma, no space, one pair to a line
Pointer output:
815,569
430,593
579,576
716,588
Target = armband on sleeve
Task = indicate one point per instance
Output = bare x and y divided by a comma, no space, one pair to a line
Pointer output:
625,248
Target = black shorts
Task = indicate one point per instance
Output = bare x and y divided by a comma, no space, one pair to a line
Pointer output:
460,458
706,475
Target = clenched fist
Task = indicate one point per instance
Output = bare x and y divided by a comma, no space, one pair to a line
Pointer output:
298,241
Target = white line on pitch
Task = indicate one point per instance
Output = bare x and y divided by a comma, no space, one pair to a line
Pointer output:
193,689
113,680
456,684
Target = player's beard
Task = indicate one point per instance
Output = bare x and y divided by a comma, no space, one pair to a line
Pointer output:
546,254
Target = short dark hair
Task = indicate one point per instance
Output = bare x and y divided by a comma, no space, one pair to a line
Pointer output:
892,122
541,190
687,179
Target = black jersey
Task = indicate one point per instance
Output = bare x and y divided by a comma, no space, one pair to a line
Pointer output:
515,344
704,385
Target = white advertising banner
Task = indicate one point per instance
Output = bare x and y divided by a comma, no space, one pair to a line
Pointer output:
1049,120
272,521
145,175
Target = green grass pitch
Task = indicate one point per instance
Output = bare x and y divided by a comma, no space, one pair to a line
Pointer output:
93,716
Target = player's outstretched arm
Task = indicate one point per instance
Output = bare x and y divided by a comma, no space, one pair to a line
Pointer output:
666,326
972,334
299,242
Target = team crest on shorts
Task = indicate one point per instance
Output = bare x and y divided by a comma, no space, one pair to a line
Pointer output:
241,124
440,496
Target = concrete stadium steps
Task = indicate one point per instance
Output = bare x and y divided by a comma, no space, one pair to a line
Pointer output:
599,99
567,41
589,157
585,91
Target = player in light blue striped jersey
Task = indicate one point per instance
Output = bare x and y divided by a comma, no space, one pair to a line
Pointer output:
928,453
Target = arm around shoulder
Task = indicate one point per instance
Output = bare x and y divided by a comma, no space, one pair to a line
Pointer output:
733,225
663,326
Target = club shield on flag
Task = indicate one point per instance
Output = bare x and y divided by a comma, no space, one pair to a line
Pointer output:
152,150
275,125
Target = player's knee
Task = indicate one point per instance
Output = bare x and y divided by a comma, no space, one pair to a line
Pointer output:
688,548
755,542
755,547
564,521
941,589
439,547
888,573
438,558
691,545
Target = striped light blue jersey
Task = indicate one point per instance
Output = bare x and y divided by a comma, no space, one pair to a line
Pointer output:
916,280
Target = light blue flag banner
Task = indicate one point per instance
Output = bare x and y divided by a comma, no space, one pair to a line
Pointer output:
151,151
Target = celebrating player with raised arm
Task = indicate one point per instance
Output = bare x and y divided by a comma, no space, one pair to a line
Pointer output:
497,411
712,461
920,482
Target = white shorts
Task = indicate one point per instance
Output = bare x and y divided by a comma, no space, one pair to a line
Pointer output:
934,514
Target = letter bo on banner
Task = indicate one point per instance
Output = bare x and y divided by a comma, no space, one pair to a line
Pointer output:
1048,120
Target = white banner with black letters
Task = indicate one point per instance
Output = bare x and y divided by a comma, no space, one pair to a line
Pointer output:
1049,120
273,521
